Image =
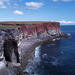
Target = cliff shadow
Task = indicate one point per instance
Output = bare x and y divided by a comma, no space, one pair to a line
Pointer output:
11,50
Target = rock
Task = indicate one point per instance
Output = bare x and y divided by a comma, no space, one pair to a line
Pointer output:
32,72
26,72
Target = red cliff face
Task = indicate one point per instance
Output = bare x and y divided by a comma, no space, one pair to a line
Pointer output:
49,27
36,28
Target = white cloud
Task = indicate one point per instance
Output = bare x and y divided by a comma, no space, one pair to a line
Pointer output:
2,5
62,0
18,12
67,22
34,5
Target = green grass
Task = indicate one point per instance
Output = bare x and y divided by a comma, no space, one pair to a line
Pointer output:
7,26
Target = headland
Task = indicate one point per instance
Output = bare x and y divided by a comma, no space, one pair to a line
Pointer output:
28,35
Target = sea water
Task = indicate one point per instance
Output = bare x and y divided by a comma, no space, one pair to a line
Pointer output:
55,58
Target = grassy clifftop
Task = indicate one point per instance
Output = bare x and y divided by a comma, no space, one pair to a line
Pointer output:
7,26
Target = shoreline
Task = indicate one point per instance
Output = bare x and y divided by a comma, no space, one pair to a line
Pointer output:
26,48
28,52
27,36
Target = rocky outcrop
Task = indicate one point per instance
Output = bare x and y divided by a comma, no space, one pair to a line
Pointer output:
27,36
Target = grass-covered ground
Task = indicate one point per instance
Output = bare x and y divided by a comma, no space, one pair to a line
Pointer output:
7,26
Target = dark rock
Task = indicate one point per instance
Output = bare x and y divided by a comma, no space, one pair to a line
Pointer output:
26,72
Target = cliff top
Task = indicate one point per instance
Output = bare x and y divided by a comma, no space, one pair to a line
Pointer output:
21,22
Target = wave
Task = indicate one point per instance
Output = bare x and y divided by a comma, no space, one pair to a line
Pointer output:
33,62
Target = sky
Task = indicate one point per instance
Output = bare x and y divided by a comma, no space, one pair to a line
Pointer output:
62,11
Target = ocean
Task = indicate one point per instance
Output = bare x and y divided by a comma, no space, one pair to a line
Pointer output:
55,58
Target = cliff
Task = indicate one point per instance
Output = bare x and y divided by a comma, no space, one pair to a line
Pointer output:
27,35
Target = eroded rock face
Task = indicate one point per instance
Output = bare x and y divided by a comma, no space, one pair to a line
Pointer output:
7,34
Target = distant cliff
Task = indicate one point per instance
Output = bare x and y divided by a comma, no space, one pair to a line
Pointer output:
34,29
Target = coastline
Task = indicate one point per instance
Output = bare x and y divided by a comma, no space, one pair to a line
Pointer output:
27,52
26,48
27,43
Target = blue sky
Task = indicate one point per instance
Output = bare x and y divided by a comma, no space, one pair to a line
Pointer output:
38,10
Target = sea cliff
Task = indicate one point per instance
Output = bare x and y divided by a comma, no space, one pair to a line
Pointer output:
27,35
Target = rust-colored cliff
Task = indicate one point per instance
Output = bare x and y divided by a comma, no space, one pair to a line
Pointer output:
35,28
